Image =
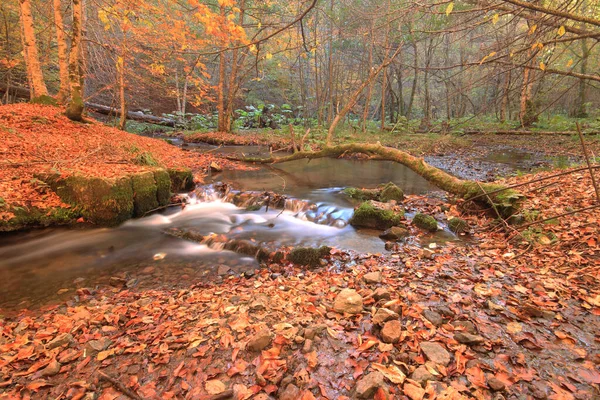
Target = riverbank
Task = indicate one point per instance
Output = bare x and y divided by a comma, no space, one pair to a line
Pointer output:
55,171
508,315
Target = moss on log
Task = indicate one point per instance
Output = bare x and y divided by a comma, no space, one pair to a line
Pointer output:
506,202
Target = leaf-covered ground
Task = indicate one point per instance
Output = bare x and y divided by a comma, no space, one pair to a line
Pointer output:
36,138
503,317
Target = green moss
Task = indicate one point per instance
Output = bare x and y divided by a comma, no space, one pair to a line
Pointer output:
254,207
458,225
391,192
45,100
182,179
34,218
144,193
308,256
426,222
368,216
146,158
163,186
361,194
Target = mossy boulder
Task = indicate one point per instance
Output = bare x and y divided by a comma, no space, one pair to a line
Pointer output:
376,215
361,194
144,193
163,186
391,192
34,217
458,225
308,256
182,179
426,222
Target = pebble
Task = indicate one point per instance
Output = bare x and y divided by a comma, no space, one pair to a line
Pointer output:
348,301
435,352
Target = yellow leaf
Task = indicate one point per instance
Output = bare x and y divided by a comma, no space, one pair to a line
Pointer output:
103,355
269,56
532,29
570,62
495,18
561,30
542,66
492,54
449,8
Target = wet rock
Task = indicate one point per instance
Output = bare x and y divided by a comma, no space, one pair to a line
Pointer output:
260,340
427,254
422,375
540,390
468,339
368,385
381,294
433,317
395,233
348,301
435,352
458,225
389,246
532,311
307,346
214,167
445,311
95,346
392,331
223,270
426,222
361,194
391,192
467,325
496,384
291,392
383,315
373,277
117,282
60,340
308,256
376,215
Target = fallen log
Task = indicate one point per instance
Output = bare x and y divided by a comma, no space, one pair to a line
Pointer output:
134,115
505,201
517,132
23,93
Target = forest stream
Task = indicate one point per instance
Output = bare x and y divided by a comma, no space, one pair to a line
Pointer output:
44,266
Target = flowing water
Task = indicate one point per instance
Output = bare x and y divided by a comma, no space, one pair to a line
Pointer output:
45,265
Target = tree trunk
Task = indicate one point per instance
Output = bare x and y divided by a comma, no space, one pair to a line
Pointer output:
221,121
580,106
63,60
365,116
121,74
354,97
505,202
414,85
75,107
32,59
504,112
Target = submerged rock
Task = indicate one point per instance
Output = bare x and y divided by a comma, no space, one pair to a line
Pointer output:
426,222
376,215
395,233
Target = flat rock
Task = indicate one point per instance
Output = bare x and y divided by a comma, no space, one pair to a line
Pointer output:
381,294
60,340
260,340
395,233
433,317
467,338
383,315
436,352
422,375
467,325
348,301
368,385
372,277
392,331
496,384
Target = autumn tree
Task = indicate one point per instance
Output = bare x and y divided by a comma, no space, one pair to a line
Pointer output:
35,75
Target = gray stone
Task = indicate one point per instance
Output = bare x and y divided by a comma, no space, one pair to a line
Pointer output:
60,340
368,385
422,375
436,352
348,301
468,339
383,315
433,317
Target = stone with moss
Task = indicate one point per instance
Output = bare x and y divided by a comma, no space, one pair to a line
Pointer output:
163,186
308,256
458,225
376,215
45,100
391,192
144,193
32,217
182,179
361,194
425,222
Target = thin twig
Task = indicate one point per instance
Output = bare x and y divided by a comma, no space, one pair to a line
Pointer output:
587,160
558,216
119,386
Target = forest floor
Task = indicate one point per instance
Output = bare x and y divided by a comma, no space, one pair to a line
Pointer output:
511,315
